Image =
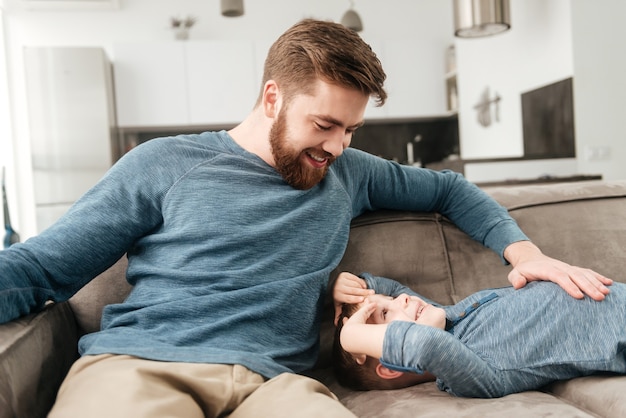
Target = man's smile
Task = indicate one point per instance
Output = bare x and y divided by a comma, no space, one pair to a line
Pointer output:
316,160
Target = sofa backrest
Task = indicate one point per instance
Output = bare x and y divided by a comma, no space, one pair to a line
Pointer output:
582,223
107,288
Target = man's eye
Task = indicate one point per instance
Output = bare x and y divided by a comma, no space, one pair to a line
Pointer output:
322,127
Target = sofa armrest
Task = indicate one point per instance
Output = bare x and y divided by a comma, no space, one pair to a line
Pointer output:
36,352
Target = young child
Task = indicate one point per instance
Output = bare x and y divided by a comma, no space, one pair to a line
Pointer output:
493,343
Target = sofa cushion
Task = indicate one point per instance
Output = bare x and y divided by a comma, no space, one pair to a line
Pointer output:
426,400
107,288
602,395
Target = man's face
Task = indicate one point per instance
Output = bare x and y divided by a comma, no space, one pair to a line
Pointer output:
311,131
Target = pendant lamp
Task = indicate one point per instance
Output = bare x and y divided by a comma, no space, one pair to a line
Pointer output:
232,8
351,19
476,18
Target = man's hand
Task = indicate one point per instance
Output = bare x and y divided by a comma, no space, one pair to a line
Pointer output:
530,264
349,289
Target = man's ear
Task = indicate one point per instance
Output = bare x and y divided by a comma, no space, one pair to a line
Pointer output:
271,99
385,373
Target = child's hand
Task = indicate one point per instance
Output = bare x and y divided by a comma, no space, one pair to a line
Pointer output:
362,315
360,338
349,289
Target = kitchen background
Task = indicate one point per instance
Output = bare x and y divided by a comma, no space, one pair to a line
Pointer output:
151,84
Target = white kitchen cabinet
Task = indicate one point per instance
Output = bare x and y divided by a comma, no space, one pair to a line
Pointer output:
151,84
221,81
414,84
212,83
191,83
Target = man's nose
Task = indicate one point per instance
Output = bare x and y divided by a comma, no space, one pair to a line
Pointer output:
337,143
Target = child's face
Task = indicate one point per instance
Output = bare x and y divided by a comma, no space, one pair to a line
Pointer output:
406,308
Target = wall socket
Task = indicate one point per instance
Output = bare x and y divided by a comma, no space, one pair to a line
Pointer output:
597,153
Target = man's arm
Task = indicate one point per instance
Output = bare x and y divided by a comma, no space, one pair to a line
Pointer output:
383,184
94,233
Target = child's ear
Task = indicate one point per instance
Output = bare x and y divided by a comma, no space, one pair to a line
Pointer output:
385,373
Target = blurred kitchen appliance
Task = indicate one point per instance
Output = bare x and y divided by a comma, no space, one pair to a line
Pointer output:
10,235
72,124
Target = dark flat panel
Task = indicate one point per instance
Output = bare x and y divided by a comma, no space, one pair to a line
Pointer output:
548,121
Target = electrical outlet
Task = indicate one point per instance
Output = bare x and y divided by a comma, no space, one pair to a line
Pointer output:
597,153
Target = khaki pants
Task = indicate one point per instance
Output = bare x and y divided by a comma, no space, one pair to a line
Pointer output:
124,386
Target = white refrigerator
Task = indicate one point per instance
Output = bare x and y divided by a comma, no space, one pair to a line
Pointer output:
73,131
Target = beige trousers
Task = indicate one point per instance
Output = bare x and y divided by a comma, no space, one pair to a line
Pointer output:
124,386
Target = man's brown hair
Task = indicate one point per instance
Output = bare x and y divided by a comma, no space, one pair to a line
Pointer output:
314,49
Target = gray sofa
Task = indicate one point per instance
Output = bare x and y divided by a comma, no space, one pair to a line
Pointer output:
582,223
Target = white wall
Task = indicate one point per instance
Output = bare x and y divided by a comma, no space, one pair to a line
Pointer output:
6,144
600,86
549,41
144,20
536,51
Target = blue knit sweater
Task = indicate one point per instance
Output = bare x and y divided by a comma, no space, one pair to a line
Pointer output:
229,264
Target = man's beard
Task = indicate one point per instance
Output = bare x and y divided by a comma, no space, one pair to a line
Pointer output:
288,160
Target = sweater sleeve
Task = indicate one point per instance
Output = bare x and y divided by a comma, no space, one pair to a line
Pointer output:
95,232
389,287
411,347
384,286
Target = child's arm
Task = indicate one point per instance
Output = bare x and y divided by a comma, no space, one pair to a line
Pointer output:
460,371
410,347
361,339
390,287
349,288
